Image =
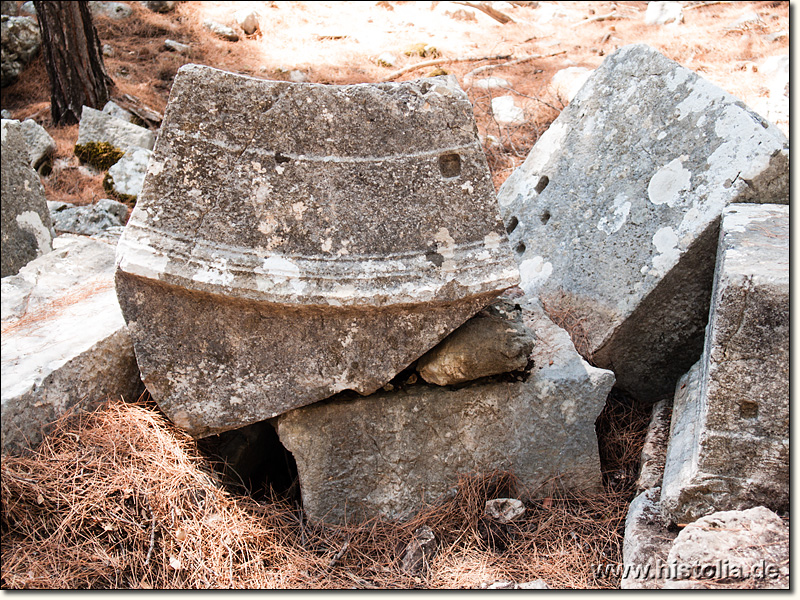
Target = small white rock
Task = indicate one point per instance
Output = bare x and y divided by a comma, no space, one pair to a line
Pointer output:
506,112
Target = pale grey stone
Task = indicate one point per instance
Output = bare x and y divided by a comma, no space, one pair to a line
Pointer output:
504,510
536,584
247,19
26,228
159,6
64,342
506,112
220,30
491,83
502,584
41,147
27,9
87,220
747,549
391,452
614,214
492,342
387,59
316,238
568,81
663,13
729,445
647,542
126,176
97,126
654,452
296,76
20,41
115,110
113,10
419,550
177,46
6,114
108,50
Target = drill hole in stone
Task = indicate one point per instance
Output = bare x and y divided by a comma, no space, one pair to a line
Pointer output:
512,224
543,181
280,158
521,248
748,410
450,165
545,217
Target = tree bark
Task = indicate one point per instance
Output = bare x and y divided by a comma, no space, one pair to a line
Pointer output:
73,58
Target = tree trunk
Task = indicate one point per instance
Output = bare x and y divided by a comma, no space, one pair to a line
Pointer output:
73,58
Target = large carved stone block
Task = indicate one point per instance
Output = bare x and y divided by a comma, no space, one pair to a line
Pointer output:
615,213
390,453
295,240
729,443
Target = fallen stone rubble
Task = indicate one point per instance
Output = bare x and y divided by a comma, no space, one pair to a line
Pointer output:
351,283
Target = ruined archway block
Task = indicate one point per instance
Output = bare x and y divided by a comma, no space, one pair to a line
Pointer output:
615,211
295,240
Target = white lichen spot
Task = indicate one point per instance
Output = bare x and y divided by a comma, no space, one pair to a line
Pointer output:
533,273
298,208
467,187
280,267
257,167
661,135
215,273
31,222
668,182
327,245
614,222
280,169
155,167
235,400
194,193
344,251
491,241
666,242
445,244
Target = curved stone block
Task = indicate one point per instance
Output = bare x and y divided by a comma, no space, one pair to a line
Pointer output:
295,240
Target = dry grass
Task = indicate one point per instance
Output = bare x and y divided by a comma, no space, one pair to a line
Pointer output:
121,499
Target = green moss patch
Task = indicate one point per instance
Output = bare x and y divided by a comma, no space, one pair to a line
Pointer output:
101,155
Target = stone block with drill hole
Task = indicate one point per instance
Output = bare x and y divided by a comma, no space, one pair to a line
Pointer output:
729,444
292,241
64,345
615,213
390,453
25,227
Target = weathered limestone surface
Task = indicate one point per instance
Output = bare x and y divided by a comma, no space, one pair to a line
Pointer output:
126,176
93,219
20,41
26,228
614,214
748,546
391,452
41,146
729,445
492,342
648,539
64,340
293,241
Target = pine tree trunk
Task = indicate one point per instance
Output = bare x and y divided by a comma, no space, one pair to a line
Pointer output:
73,58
